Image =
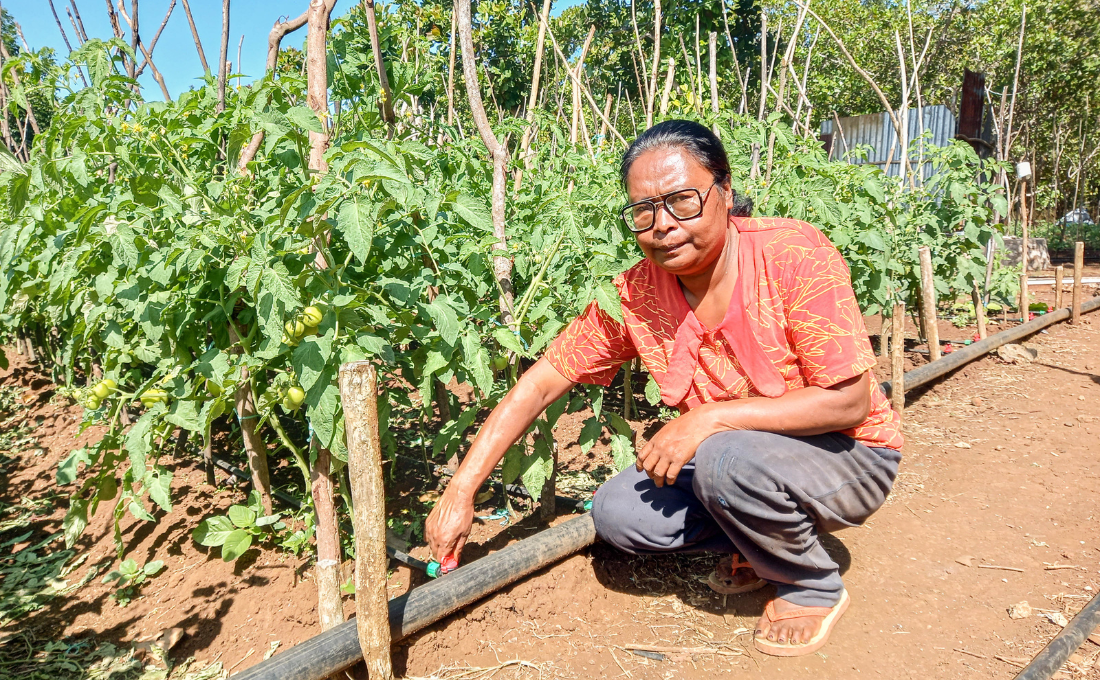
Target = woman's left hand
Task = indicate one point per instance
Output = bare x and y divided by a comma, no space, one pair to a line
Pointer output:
674,445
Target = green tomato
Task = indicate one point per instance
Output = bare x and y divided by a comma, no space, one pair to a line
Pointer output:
299,329
108,488
311,317
296,396
92,403
101,390
111,384
500,363
288,405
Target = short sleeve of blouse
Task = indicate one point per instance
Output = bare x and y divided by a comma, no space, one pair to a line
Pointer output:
591,348
825,324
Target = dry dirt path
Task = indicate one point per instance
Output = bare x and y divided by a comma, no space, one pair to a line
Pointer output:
1010,480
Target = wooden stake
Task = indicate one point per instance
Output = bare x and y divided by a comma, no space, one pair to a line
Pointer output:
451,74
359,396
532,100
223,54
254,446
897,359
979,311
1023,251
928,304
1059,274
498,152
669,78
379,65
330,609
712,47
1078,265
652,93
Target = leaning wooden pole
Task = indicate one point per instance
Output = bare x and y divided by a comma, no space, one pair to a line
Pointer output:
379,64
532,99
928,304
502,265
223,54
1078,265
897,358
359,397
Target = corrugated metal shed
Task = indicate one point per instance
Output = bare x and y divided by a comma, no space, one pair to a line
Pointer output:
876,130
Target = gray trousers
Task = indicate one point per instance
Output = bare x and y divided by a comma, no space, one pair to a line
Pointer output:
763,495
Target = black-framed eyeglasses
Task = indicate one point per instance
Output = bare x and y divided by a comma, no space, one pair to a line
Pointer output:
683,204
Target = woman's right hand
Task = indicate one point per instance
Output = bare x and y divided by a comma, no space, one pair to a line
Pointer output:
448,525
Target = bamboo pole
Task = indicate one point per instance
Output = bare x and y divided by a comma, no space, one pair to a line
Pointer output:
928,304
1078,265
359,397
1059,274
979,311
897,358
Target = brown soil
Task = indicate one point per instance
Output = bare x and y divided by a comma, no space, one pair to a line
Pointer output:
1000,466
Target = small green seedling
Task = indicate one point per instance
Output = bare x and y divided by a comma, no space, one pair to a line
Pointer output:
234,531
130,577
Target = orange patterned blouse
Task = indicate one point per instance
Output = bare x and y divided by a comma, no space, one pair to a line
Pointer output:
793,322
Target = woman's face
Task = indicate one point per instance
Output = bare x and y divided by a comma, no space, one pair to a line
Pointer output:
681,247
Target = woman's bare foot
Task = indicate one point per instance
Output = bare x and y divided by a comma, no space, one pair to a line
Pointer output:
794,631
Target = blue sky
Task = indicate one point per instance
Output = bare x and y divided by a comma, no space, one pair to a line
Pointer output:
175,53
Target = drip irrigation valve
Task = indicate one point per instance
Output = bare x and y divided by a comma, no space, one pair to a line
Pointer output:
437,569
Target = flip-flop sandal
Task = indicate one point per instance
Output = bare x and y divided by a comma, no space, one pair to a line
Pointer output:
831,614
734,575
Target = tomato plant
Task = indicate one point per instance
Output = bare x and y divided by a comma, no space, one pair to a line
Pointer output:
133,249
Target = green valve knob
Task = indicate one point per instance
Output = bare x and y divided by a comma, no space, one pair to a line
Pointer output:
587,506
437,569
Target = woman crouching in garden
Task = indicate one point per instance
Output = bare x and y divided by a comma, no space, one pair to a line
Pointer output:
751,329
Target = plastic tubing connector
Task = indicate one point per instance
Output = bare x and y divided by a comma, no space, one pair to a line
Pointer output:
437,569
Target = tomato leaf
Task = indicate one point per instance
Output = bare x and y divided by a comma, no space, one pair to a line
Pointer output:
590,434
356,223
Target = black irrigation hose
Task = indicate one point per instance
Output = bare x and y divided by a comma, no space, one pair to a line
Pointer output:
338,648
1047,662
929,372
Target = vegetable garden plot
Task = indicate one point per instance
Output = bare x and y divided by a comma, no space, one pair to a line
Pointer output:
177,288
